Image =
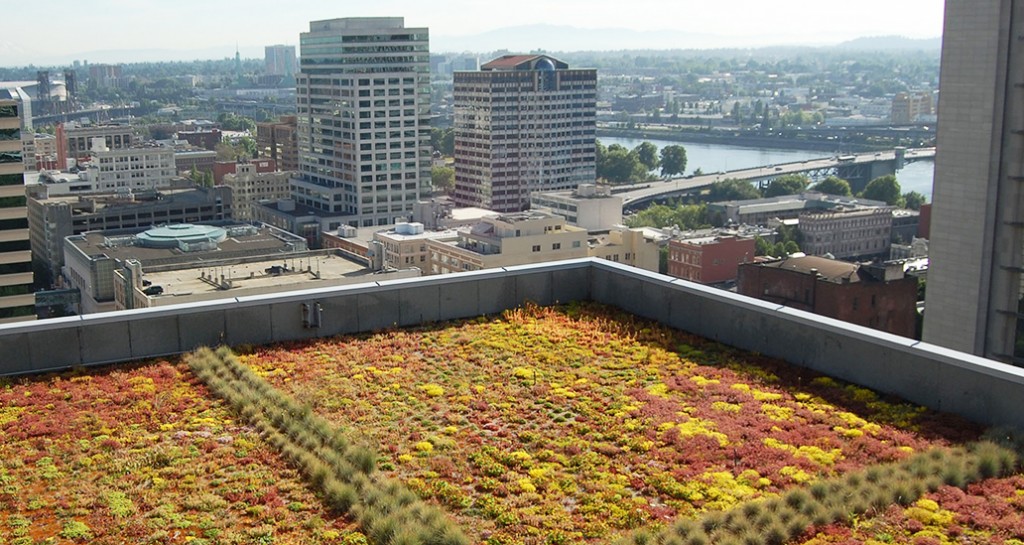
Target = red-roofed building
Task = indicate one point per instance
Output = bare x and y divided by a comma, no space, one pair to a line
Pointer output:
522,62
877,296
523,123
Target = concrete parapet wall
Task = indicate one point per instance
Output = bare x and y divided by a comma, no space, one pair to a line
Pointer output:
976,388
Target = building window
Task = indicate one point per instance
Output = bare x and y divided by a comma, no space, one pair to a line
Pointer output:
536,247
556,246
575,244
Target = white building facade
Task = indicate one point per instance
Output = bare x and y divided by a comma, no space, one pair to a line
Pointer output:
363,98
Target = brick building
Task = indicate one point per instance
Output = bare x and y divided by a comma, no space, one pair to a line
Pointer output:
709,260
206,139
223,168
877,296
278,140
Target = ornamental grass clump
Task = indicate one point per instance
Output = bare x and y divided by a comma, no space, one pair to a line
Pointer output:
778,520
387,512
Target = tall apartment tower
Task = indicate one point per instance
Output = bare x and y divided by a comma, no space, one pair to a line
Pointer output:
363,93
17,302
523,123
976,274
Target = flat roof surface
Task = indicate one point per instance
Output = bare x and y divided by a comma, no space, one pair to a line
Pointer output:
301,272
394,235
92,244
141,198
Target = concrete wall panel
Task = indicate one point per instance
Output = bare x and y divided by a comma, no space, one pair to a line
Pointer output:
533,287
286,319
419,304
248,324
497,293
203,327
459,300
54,348
16,356
377,310
154,336
570,284
339,314
105,341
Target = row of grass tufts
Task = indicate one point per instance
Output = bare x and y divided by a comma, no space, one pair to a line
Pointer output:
778,520
386,511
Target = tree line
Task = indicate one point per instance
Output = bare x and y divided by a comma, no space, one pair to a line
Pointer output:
884,188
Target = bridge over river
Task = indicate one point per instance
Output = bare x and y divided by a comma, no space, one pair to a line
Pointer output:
857,169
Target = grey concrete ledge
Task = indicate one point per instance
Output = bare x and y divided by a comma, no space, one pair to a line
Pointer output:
981,390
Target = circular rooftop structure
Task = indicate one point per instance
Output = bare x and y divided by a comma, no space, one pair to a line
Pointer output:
174,236
544,64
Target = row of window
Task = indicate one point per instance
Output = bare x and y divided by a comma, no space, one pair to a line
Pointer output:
12,179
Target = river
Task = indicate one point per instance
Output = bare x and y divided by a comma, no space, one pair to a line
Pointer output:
916,176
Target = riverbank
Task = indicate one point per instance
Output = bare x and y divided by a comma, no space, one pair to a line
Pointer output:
731,139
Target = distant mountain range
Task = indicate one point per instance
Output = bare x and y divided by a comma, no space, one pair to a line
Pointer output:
553,38
569,38
891,43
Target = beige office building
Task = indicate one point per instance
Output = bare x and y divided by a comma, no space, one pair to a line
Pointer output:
17,303
508,239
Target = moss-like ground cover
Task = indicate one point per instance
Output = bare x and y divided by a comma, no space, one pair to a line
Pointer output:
143,454
575,424
580,423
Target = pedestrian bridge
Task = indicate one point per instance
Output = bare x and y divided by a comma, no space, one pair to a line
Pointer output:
858,169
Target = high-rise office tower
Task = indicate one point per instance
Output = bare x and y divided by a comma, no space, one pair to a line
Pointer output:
523,123
17,302
977,228
279,60
363,120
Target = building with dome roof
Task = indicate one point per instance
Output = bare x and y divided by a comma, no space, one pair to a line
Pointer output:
523,124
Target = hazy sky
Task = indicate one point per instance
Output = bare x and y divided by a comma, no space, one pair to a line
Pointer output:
71,29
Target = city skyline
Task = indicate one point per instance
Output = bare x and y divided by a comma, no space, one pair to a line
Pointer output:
124,31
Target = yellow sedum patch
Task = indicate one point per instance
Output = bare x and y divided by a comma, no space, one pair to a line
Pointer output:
777,413
432,390
798,475
812,453
726,407
696,426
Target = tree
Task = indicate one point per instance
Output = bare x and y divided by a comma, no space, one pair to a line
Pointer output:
732,189
790,184
234,122
443,140
684,216
761,246
619,165
884,188
913,200
647,153
195,176
443,178
834,186
791,247
247,146
673,160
